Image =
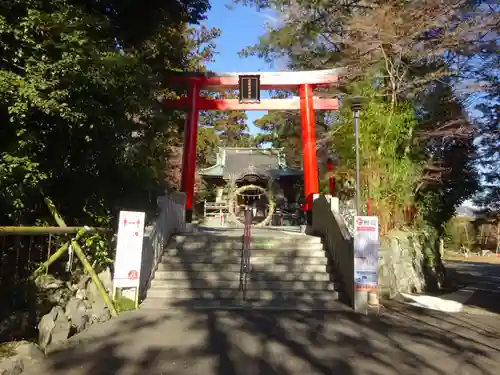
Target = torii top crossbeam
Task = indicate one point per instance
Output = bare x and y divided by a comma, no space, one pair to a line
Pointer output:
268,80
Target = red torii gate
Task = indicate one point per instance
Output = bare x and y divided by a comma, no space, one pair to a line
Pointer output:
306,103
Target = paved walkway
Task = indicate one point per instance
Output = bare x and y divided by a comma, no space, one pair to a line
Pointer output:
397,341
481,278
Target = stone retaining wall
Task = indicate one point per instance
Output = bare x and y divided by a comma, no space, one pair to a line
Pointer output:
400,264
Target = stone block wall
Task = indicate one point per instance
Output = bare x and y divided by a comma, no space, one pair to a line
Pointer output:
400,264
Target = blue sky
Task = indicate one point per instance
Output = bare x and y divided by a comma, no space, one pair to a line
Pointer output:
241,27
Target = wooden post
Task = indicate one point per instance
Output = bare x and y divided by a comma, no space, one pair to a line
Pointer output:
42,231
331,178
189,151
80,254
309,157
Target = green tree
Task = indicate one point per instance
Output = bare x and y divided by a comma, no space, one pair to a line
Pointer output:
207,146
230,126
79,83
398,54
445,138
399,47
489,134
281,130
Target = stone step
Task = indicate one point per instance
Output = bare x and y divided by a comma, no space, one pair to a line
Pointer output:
252,284
167,260
205,304
307,251
237,245
235,267
225,242
212,276
255,234
236,293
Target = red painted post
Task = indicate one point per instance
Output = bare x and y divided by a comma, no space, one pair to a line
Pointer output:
311,185
331,178
189,152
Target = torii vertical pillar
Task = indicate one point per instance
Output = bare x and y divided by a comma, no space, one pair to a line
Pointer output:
189,151
310,165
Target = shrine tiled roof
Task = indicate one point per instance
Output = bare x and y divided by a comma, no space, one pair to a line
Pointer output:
235,162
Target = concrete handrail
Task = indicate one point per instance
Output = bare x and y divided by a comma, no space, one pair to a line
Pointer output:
330,225
170,220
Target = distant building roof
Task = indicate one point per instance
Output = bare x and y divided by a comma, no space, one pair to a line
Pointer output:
236,162
466,211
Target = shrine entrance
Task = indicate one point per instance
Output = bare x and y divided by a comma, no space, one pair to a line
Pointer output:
249,86
254,197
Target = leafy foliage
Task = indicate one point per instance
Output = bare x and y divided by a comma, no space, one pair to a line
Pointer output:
281,130
489,131
490,153
414,61
79,110
79,83
388,173
409,57
229,127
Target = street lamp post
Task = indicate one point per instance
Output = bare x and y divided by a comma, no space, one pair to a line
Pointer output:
356,103
360,296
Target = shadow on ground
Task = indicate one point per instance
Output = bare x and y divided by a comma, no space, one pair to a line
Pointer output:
182,341
397,341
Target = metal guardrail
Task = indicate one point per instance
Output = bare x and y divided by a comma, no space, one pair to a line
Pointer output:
245,252
170,220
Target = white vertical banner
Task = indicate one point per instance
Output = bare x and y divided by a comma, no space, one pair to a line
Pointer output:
366,249
128,258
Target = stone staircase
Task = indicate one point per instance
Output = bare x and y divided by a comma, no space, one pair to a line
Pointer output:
202,271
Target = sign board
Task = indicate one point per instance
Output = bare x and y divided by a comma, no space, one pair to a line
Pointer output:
129,251
249,88
366,247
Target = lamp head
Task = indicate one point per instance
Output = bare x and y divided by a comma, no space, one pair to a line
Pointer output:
356,102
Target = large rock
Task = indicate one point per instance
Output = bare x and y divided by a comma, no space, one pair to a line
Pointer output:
60,333
99,312
92,293
54,291
47,282
53,328
81,294
77,314
83,281
45,327
59,296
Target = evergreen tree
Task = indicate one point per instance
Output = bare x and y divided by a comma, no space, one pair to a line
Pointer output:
405,50
230,126
79,83
281,130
